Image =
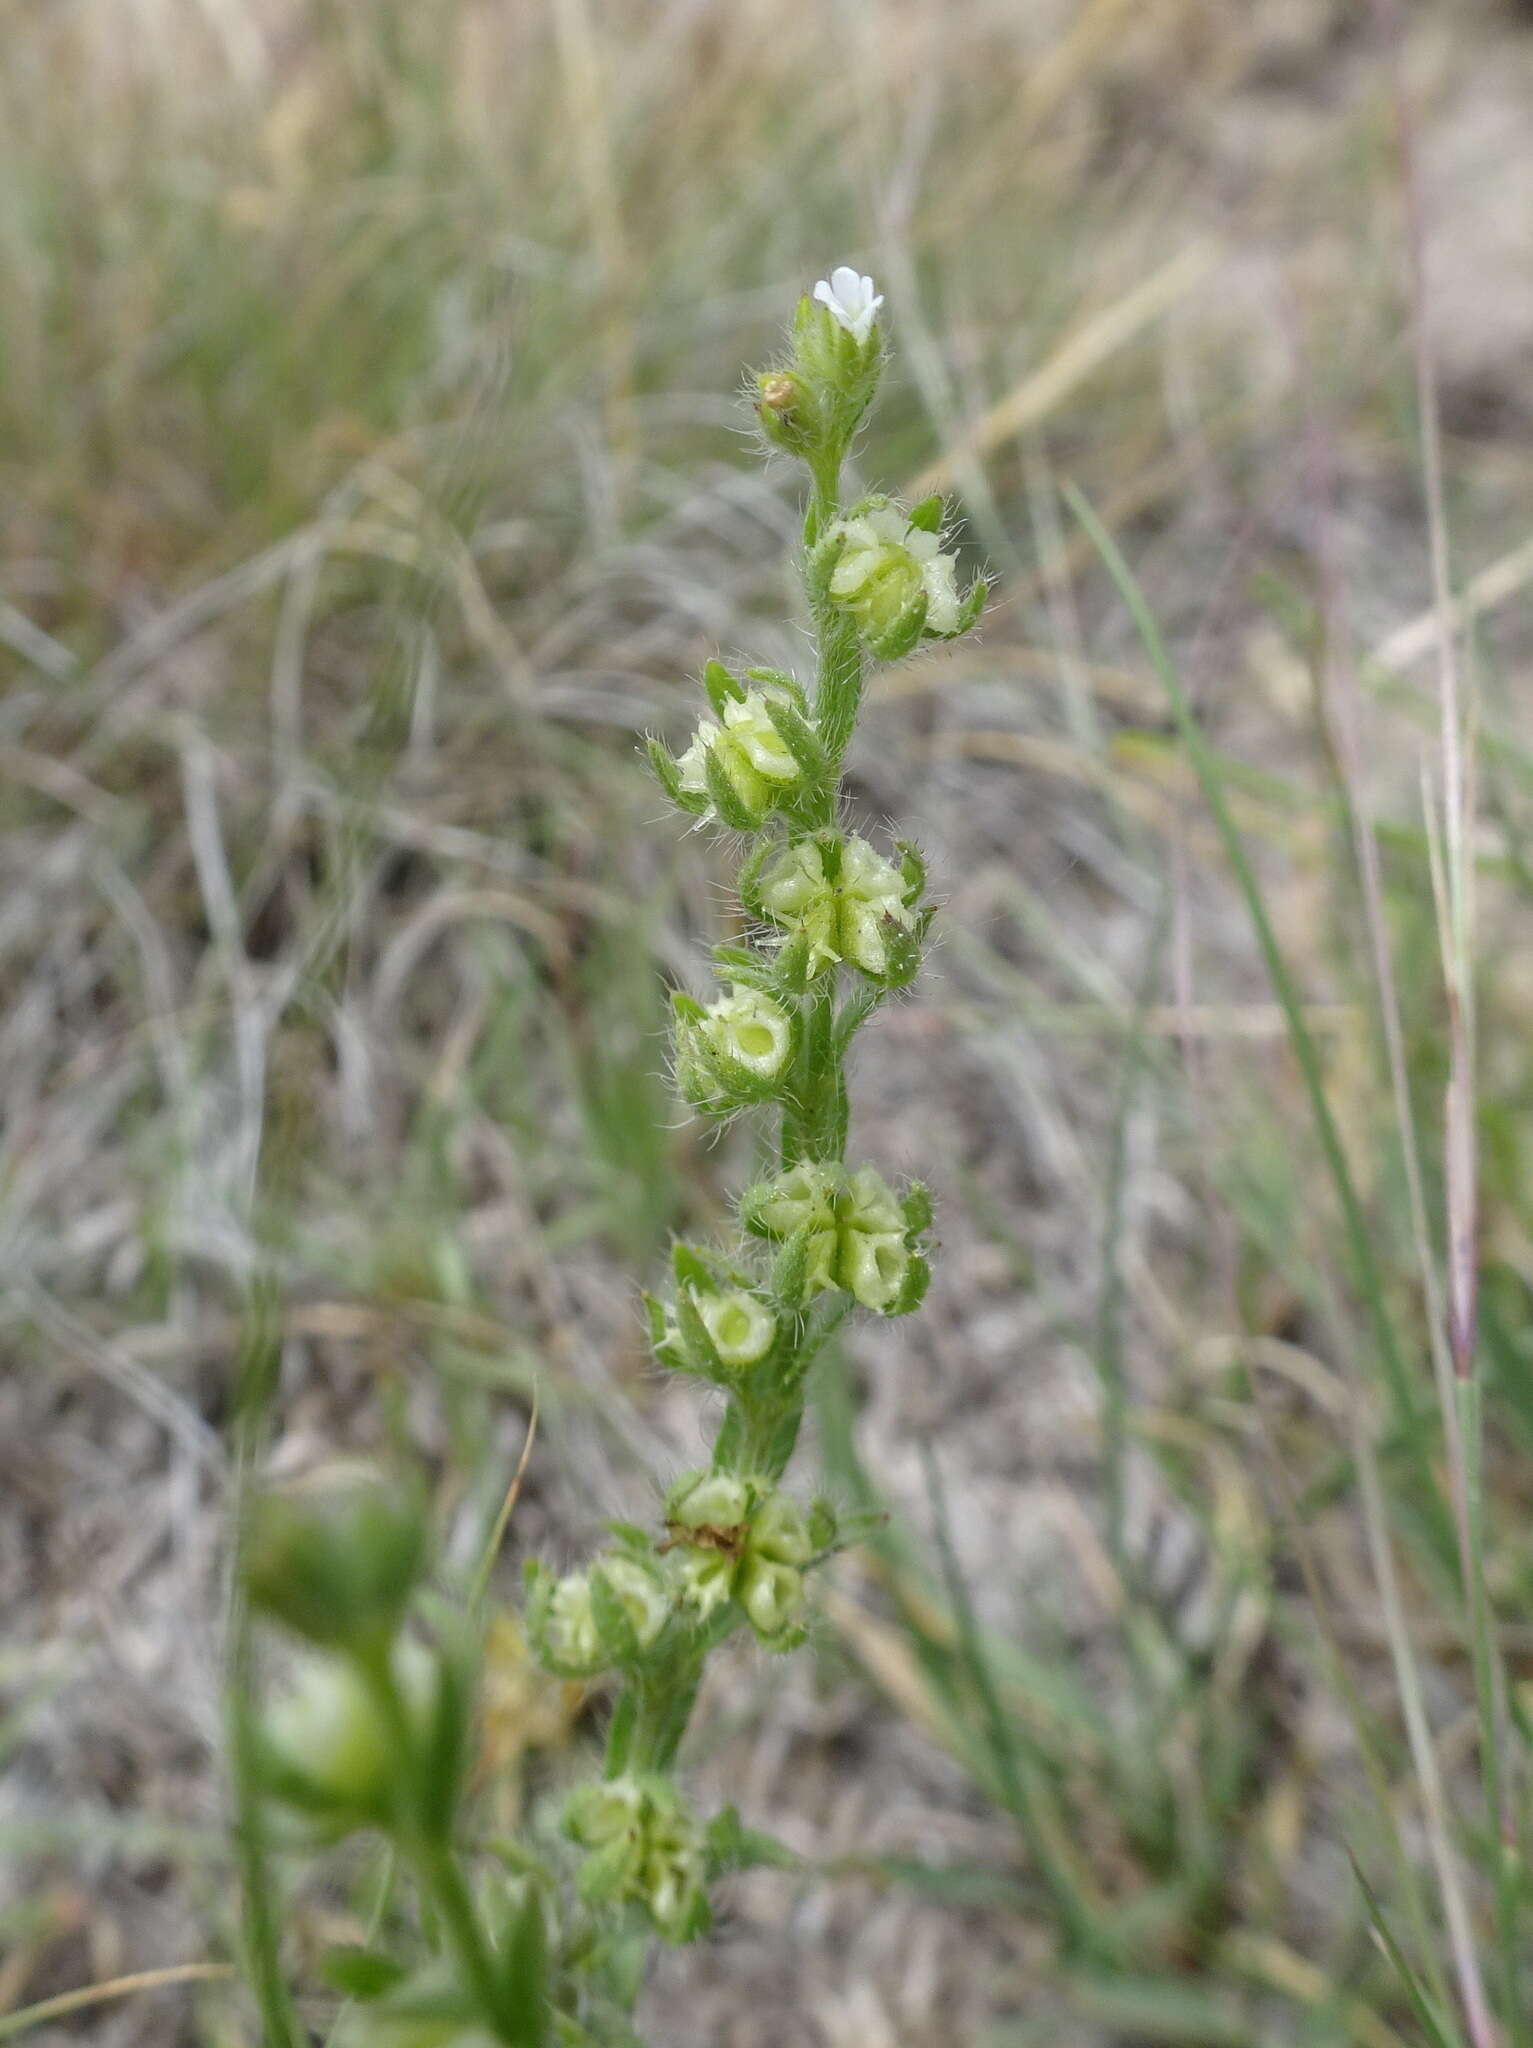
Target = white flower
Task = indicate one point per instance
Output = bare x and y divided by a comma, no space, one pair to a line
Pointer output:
850,300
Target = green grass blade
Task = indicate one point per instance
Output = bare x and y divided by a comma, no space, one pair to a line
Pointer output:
1409,1417
1431,2023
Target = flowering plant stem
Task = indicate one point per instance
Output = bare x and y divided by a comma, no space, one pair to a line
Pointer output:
374,1732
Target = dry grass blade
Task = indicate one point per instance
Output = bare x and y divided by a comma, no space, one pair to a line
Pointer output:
1092,344
67,2002
497,1535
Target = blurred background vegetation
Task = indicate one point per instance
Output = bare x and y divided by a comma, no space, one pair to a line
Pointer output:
372,476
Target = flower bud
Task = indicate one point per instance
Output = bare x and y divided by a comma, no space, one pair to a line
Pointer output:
787,412
337,1567
839,900
733,1052
892,575
837,345
647,1847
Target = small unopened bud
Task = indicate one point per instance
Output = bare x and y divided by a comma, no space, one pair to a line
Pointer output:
787,412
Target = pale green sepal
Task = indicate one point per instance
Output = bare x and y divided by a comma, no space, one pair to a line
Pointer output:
669,775
721,687
800,739
726,799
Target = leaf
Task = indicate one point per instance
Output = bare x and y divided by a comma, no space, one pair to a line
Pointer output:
612,1623
779,679
360,1973
727,800
620,1734
953,1884
1410,1984
654,1316
733,1846
690,1268
694,1335
800,739
523,1973
1425,1493
1181,2015
721,687
445,1751
668,772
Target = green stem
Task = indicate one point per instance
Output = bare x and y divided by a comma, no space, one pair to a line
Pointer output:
816,1127
1366,1269
441,1879
657,1705
1471,1436
824,495
838,692
429,1853
260,1898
